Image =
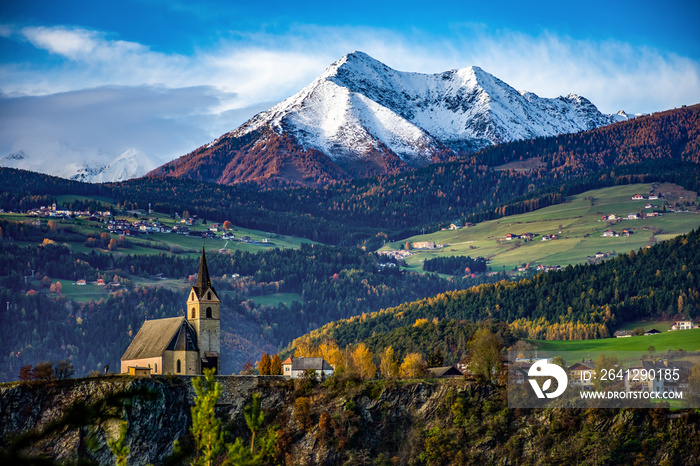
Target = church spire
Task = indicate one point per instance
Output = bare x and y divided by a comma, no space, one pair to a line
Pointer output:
203,281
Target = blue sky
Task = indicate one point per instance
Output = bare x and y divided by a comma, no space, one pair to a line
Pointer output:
165,77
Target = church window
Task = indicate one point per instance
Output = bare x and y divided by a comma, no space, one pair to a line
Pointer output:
179,366
194,313
208,313
209,295
156,371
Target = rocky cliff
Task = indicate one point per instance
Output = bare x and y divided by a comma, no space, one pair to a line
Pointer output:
342,421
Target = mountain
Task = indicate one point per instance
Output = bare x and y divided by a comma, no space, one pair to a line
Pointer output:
93,167
361,118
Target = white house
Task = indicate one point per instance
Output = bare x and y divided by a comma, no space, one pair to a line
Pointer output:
682,325
295,367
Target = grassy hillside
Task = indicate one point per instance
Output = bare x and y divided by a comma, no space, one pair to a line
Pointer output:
158,243
577,223
686,340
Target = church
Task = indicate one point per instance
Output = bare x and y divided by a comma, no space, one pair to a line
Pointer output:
184,345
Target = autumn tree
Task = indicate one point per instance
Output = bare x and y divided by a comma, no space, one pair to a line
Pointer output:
276,365
43,371
362,362
388,363
325,425
304,348
227,225
112,246
25,373
485,354
329,350
603,365
413,367
694,384
265,365
302,412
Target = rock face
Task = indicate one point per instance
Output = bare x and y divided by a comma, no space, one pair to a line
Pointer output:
377,422
362,118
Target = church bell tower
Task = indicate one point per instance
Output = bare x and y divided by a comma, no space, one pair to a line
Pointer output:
203,314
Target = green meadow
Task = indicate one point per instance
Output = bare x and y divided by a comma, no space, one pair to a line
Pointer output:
577,222
577,350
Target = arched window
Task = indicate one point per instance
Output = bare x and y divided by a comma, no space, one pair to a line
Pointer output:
156,371
209,296
194,313
179,366
208,313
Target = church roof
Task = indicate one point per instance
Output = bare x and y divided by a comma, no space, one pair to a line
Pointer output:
156,336
203,282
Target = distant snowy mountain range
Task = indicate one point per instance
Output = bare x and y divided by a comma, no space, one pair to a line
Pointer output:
93,166
361,117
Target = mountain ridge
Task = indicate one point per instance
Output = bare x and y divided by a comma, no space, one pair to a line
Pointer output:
370,119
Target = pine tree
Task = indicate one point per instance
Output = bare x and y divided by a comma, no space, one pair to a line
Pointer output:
118,446
208,438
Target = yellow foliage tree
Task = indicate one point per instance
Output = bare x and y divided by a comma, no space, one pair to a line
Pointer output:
388,363
331,352
362,362
413,367
304,348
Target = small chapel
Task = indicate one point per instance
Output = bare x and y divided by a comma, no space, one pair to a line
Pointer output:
184,345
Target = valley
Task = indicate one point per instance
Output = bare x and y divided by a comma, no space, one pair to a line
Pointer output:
575,226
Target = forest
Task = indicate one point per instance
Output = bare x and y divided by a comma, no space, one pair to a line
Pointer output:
578,302
455,265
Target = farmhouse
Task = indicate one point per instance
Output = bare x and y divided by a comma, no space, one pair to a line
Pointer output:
180,345
637,197
682,325
623,334
510,236
296,367
447,372
582,373
424,245
609,233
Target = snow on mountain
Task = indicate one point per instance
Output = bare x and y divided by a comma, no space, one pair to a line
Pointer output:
130,164
359,102
90,166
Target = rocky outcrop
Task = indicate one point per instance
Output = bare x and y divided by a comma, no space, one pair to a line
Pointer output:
345,421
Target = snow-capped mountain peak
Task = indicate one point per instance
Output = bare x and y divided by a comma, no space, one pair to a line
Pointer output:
362,117
358,102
